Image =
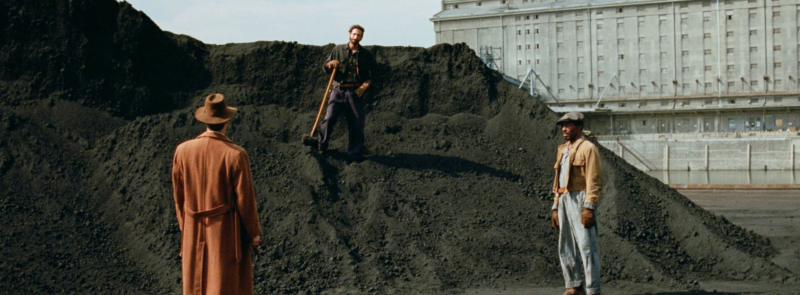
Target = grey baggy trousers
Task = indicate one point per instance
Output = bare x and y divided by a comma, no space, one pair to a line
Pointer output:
577,245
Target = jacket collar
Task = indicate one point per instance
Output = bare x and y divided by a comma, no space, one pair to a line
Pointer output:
573,149
215,135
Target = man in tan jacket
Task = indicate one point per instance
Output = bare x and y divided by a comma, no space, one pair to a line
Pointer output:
577,186
216,207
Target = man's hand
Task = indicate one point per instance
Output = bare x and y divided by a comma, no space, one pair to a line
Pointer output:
332,64
360,91
587,217
256,242
554,219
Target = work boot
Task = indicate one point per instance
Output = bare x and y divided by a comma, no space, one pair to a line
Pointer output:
322,147
575,291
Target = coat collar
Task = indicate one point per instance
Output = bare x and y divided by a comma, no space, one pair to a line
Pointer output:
573,149
215,135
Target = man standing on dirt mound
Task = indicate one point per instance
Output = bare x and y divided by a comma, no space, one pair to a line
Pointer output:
216,207
355,68
577,186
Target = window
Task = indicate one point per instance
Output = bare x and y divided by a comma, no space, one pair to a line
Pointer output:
537,61
619,10
685,53
642,71
536,31
641,55
776,13
599,41
708,68
519,32
666,103
528,32
560,29
731,83
778,65
664,70
620,41
519,47
622,104
580,44
537,46
479,4
580,75
560,60
754,83
706,18
578,14
519,62
662,6
752,15
560,45
707,52
753,49
730,17
601,73
663,54
528,61
706,3
535,16
599,11
685,69
559,14
600,57
729,50
662,39
777,48
560,75
641,40
753,32
527,46
622,89
455,6
684,37
753,66
706,35
621,56
729,34
707,85
778,82
579,28
580,59
731,67
728,2
776,31
684,5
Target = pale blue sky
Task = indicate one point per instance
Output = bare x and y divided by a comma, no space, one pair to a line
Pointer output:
317,22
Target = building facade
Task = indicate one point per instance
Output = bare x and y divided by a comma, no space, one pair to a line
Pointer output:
642,66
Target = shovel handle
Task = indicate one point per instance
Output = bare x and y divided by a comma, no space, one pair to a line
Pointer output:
324,101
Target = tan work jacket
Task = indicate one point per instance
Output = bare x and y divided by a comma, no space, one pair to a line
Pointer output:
216,208
584,170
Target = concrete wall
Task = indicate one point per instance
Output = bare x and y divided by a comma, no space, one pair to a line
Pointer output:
708,151
656,49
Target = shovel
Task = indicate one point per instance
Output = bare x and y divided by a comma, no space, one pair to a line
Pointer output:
309,139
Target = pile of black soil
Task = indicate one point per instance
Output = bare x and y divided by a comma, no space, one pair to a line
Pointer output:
455,193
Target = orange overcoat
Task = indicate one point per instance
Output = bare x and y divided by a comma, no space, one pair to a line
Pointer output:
216,207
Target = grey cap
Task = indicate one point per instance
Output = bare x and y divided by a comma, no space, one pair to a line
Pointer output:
570,117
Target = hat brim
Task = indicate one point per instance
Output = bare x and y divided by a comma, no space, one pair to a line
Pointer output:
202,116
562,122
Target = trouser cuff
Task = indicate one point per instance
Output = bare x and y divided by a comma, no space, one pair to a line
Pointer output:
574,284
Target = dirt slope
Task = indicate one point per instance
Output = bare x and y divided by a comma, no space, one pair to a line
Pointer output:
455,195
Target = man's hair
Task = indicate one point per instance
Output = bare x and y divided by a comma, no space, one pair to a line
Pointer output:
356,27
216,127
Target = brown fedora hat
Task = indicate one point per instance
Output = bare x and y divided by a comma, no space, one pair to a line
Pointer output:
215,110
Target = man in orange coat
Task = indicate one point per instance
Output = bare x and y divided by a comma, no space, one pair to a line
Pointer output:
216,207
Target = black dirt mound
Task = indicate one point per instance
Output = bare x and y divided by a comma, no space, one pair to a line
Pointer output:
455,194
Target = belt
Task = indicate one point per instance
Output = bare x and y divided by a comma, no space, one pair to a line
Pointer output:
349,85
561,190
219,210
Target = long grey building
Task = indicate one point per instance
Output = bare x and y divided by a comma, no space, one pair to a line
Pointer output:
644,66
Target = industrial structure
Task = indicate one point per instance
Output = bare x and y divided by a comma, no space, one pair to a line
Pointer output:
644,66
